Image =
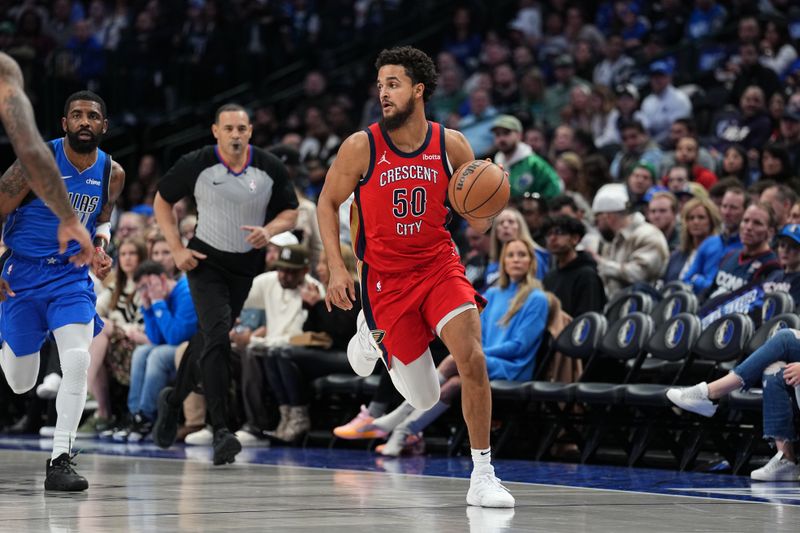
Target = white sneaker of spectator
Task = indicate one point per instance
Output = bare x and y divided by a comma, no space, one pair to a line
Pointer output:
777,469
694,399
250,440
49,387
204,437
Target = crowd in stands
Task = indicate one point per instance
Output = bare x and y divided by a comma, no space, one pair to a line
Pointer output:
646,142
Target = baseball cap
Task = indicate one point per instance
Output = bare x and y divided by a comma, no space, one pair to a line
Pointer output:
629,89
284,239
507,122
293,257
791,113
648,195
611,198
661,67
792,231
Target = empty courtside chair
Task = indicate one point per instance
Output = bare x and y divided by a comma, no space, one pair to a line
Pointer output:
579,340
672,304
626,303
671,345
624,341
745,406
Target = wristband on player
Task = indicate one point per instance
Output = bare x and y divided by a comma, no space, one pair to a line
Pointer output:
102,235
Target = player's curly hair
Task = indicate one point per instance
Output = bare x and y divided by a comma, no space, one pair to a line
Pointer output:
419,66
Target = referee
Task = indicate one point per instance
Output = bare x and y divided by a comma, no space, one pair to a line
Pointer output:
244,196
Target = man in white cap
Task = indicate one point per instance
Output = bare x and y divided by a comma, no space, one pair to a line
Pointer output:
631,250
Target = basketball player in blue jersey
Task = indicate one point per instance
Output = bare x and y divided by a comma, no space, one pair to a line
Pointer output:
41,174
47,293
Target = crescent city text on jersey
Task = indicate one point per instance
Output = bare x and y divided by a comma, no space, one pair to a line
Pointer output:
408,172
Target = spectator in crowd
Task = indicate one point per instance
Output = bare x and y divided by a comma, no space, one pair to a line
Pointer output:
527,172
756,260
513,325
169,320
636,146
788,278
574,279
605,117
567,206
776,366
703,270
776,165
279,294
477,125
665,104
662,212
563,141
570,170
777,51
632,250
641,179
627,105
557,95
706,20
505,89
750,72
510,224
781,198
735,164
700,219
532,90
686,153
449,95
748,126
534,209
789,136
111,350
684,127
794,214
615,66
476,260
160,253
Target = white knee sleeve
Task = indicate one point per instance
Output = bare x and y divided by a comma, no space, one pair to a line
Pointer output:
418,381
21,372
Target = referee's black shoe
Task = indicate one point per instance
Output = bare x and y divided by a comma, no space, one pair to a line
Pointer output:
226,446
61,476
165,429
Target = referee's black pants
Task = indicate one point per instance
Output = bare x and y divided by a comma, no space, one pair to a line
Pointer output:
218,297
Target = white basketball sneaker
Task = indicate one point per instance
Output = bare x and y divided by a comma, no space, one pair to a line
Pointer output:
485,490
694,399
362,352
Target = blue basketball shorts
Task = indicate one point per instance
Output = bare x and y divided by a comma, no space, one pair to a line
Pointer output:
50,293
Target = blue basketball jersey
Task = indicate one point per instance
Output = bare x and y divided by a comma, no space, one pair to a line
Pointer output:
32,228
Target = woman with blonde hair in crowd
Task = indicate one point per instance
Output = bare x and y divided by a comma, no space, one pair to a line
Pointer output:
700,219
510,224
111,350
512,324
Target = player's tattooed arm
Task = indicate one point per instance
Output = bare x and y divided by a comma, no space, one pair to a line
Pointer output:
13,188
36,158
116,184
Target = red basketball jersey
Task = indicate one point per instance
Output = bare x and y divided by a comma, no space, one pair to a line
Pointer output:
399,214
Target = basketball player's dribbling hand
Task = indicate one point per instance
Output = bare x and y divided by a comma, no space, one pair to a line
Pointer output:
186,259
101,264
341,290
5,290
73,230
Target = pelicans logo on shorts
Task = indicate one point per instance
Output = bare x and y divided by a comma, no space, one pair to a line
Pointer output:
378,335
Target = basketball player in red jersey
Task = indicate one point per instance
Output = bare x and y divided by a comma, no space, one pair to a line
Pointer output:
412,282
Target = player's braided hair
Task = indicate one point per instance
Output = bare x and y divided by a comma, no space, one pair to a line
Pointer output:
419,66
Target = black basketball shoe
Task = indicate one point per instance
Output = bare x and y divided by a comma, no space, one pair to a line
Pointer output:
226,446
61,476
165,429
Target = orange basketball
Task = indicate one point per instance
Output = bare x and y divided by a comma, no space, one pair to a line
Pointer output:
478,189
